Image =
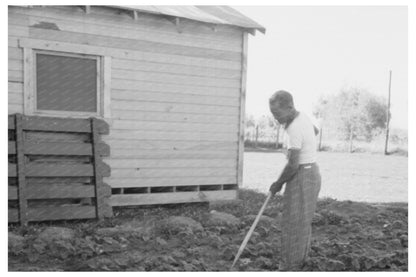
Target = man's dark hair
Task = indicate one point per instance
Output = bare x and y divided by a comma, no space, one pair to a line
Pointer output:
283,97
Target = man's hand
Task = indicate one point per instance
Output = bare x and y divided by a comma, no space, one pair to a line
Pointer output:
275,188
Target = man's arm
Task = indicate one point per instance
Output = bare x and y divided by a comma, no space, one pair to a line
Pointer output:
288,172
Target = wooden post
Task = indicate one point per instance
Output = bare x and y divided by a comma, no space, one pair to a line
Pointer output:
388,119
240,158
98,179
20,161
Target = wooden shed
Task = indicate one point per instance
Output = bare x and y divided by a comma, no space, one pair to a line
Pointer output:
168,80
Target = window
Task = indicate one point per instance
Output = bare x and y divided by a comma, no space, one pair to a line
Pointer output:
65,80
66,83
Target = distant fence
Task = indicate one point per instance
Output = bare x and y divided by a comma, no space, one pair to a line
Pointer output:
56,170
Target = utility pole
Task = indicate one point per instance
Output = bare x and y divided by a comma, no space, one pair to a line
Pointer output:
388,119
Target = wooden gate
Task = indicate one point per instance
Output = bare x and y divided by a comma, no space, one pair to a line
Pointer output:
56,170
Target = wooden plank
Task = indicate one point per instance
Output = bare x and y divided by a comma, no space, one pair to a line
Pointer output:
12,147
21,169
166,135
174,117
13,215
98,179
171,154
15,53
15,87
15,64
14,98
178,145
18,31
15,108
122,22
62,148
133,44
168,198
173,126
174,88
125,54
35,181
172,172
168,78
54,191
61,213
12,171
240,158
56,124
68,170
189,70
107,86
15,76
139,164
13,41
174,107
34,136
166,97
169,181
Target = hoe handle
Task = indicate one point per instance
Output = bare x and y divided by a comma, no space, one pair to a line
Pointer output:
250,232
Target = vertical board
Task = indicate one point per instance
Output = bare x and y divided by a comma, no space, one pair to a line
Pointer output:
21,179
240,163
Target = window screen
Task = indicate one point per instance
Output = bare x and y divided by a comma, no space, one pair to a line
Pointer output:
66,83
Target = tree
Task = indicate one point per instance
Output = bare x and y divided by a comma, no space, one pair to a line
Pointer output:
353,114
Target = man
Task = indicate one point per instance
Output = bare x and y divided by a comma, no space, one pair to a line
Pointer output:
302,178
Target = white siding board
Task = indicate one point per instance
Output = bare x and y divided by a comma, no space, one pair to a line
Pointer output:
173,117
174,145
128,54
173,126
170,181
172,172
140,164
167,78
176,69
173,88
15,53
131,44
166,97
15,108
163,135
173,107
134,153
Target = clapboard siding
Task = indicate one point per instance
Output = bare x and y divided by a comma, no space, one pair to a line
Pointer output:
173,88
155,144
15,53
169,181
172,107
131,44
164,135
172,172
174,78
120,31
170,154
139,164
176,69
166,97
132,54
173,126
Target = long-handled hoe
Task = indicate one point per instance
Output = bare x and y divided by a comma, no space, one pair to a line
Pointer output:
250,232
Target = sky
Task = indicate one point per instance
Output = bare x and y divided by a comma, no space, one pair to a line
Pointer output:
315,50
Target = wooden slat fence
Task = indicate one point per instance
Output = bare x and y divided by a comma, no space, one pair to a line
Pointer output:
56,169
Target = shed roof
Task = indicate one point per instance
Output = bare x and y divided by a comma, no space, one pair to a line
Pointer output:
223,15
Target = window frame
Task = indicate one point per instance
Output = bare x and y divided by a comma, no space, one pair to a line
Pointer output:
30,46
67,113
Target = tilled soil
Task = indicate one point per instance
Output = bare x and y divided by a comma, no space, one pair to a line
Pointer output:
347,236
